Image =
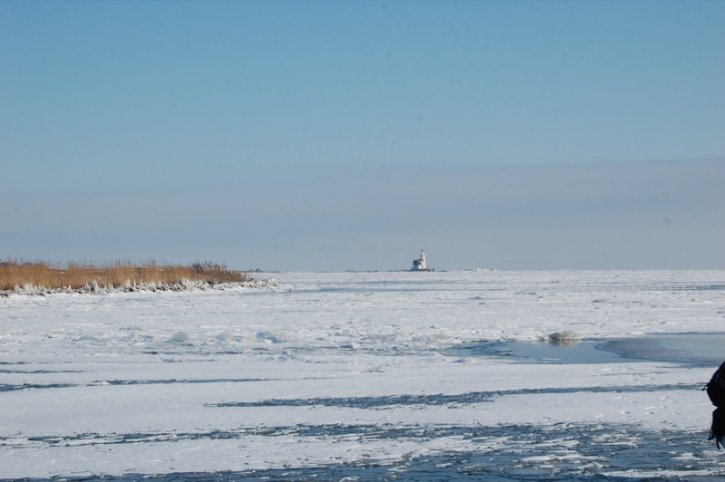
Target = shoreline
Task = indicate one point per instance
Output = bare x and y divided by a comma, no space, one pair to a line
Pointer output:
178,286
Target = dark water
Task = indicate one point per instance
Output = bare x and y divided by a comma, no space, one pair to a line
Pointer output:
697,349
575,452
443,399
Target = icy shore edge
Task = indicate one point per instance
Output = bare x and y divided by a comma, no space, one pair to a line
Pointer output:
128,287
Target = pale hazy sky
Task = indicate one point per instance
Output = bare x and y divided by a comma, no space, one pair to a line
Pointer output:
329,136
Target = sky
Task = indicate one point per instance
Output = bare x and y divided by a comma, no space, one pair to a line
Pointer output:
349,135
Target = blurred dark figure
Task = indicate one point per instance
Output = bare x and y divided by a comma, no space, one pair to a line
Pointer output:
716,391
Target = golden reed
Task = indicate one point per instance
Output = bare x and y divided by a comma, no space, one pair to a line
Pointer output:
116,274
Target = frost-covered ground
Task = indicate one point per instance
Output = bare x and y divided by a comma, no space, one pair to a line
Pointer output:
353,375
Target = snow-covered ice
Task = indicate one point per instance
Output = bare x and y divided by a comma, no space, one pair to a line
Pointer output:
334,375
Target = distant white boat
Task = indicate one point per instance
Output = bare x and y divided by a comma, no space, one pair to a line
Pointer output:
420,264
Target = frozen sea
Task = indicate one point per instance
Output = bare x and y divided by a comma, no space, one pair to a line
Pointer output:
368,376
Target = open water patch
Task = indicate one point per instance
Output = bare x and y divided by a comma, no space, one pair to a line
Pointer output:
701,349
696,349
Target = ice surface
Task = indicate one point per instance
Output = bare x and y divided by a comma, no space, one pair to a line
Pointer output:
327,374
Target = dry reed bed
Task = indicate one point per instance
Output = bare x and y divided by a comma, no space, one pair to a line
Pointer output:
77,276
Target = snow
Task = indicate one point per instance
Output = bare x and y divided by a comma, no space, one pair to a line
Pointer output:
323,369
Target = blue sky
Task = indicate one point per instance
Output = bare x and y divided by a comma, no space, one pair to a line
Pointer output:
344,135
